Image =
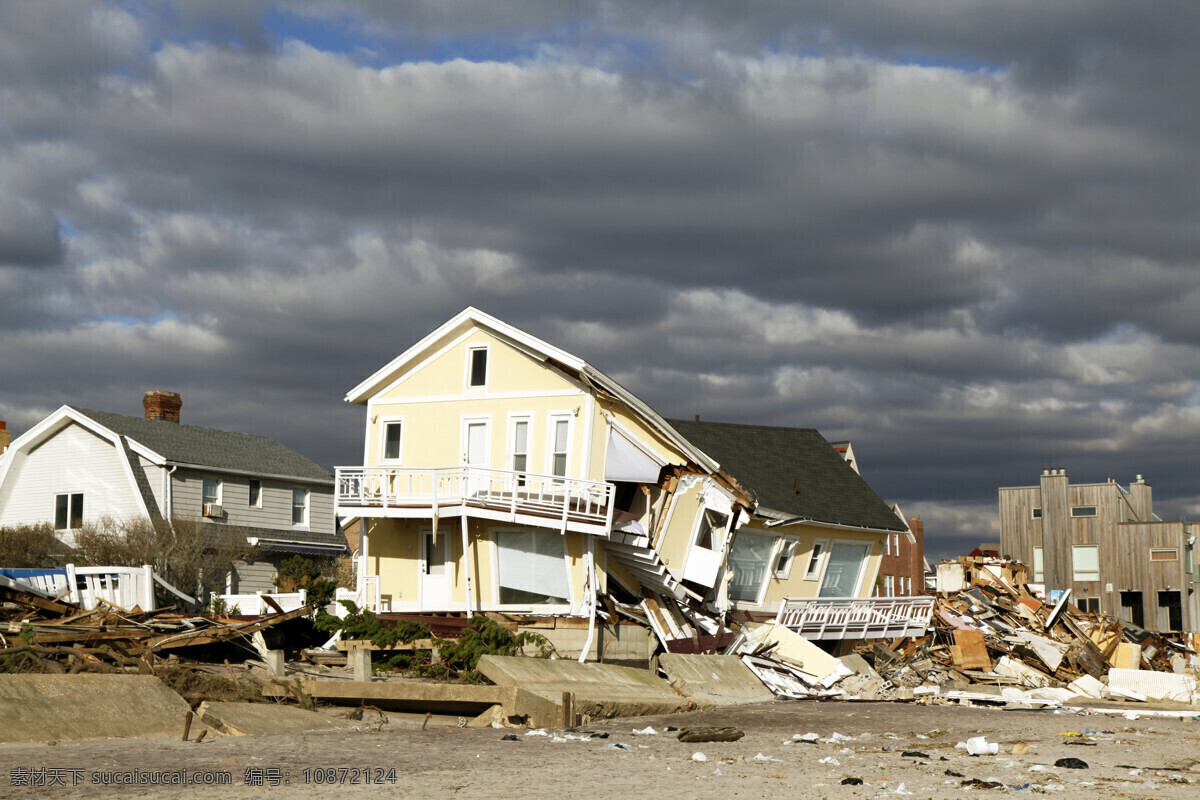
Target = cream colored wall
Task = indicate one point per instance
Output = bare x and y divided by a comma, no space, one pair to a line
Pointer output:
676,536
634,425
432,432
394,551
795,585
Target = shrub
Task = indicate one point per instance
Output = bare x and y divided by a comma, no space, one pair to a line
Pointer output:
298,572
31,547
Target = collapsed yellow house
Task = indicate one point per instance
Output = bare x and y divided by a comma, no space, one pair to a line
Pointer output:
502,474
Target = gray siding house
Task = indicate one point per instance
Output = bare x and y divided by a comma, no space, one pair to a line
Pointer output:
80,466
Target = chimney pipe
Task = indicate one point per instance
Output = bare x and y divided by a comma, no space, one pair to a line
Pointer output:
162,405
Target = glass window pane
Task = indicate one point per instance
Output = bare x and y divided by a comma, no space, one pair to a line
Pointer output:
560,436
60,512
211,490
841,574
299,506
255,493
749,557
391,447
560,464
1038,565
1086,558
531,568
76,511
521,437
814,561
478,367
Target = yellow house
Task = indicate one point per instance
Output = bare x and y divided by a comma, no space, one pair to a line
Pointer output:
500,473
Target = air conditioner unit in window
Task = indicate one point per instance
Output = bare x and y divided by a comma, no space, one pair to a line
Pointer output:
213,510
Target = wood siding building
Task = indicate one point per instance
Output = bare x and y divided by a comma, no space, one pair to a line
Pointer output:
1104,543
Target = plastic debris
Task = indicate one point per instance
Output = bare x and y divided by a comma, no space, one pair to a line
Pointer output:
830,760
764,758
980,746
1071,763
537,732
852,781
646,731
699,757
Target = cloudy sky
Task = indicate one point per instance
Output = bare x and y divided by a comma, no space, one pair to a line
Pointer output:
962,235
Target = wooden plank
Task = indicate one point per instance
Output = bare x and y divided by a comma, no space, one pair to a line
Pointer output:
29,599
973,650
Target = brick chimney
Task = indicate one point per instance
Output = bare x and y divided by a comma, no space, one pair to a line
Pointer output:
162,405
5,436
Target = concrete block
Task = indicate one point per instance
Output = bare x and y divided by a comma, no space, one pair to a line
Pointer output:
721,680
274,662
619,644
600,690
358,659
38,708
255,719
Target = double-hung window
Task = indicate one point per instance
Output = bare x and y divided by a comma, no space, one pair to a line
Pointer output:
1086,558
813,570
518,456
560,444
68,511
255,496
299,506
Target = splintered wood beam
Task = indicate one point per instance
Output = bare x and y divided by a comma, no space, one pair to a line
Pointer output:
204,636
41,603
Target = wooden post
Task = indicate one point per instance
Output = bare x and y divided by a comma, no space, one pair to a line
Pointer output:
568,709
187,725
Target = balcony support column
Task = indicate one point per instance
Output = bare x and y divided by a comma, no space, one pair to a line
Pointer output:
467,562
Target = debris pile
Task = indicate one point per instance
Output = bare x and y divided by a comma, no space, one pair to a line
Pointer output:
992,640
44,634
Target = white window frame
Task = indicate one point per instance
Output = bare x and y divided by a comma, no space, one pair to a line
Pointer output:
768,572
307,506
889,586
384,422
1174,551
495,547
250,494
814,569
894,540
1075,571
1094,509
70,499
1038,566
554,417
510,444
487,368
786,547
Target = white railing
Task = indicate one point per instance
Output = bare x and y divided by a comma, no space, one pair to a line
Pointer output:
365,597
124,587
856,617
254,604
571,501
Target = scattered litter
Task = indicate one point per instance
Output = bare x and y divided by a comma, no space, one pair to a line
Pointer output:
510,737
901,790
852,781
696,735
646,731
699,757
975,783
1071,763
806,737
537,732
1020,749
763,758
914,754
979,746
717,771
830,760
619,746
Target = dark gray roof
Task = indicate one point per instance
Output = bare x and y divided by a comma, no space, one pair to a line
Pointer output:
768,461
209,447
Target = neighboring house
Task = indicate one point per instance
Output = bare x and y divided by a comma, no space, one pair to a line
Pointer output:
1104,543
902,569
5,437
501,473
79,466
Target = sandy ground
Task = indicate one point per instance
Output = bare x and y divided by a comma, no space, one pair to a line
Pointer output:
445,761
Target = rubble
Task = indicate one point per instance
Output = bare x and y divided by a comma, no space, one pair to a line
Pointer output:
992,641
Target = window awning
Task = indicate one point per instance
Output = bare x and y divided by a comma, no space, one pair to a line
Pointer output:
627,462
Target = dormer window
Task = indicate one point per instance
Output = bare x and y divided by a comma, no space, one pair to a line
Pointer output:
477,367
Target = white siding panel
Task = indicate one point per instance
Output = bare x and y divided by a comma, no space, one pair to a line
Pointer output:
72,460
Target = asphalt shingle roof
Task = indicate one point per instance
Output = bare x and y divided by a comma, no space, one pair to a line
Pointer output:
209,447
768,461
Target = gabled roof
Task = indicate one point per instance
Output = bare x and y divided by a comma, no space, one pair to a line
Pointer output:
773,462
225,451
534,347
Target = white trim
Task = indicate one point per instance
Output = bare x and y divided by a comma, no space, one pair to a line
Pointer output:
473,419
552,418
383,422
548,609
821,558
636,442
452,398
785,573
272,476
510,439
468,388
462,337
474,319
307,509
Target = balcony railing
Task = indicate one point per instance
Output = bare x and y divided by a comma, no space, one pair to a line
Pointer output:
856,617
548,500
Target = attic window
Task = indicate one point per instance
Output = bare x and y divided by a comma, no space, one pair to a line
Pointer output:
68,511
477,366
1083,511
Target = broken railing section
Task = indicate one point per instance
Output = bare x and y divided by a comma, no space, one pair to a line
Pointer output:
837,618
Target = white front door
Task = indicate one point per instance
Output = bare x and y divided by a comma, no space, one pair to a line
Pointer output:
475,454
435,572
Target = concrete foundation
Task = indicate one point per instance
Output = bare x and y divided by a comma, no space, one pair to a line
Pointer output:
599,690
629,645
39,708
721,680
254,719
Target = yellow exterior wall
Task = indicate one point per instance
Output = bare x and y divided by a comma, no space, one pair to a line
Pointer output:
676,536
795,585
394,555
633,424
